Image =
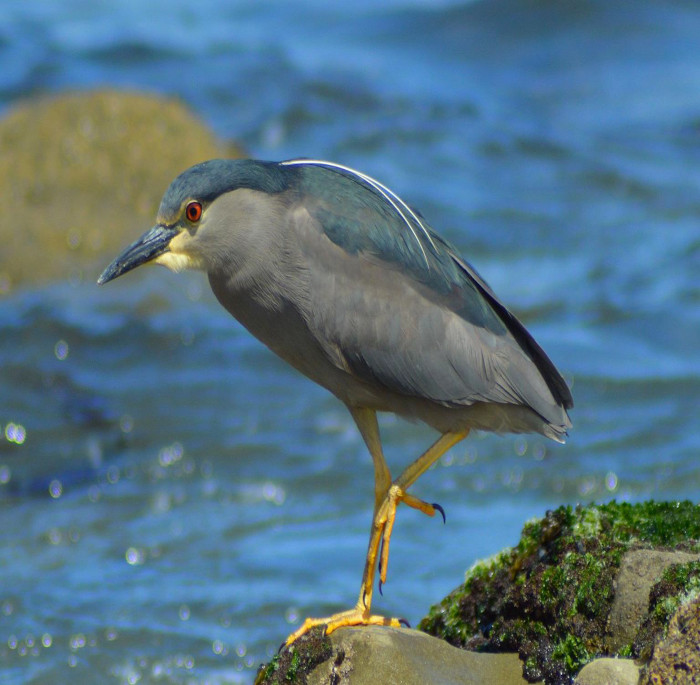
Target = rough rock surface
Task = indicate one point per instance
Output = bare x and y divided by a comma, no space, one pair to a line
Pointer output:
676,659
82,174
639,570
553,597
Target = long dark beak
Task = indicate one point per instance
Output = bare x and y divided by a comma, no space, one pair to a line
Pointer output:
152,243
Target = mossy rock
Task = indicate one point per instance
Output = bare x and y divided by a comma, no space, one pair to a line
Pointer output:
676,658
550,597
678,585
82,174
295,662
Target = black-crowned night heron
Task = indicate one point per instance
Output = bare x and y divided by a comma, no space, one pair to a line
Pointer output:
342,279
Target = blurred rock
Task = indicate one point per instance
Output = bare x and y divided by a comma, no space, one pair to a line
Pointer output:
608,671
82,174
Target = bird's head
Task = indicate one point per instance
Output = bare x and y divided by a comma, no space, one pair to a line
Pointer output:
199,215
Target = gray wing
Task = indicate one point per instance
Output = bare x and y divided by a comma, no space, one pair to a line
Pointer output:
400,308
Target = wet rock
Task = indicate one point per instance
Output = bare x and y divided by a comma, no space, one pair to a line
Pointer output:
82,174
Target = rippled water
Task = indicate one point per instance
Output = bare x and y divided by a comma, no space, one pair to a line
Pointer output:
174,499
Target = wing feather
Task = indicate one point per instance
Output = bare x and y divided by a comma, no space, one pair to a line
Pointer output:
395,304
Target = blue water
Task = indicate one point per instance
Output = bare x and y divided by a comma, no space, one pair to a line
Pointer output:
173,498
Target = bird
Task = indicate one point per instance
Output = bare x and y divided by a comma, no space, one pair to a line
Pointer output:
345,281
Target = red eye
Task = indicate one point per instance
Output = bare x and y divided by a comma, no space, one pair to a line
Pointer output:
193,212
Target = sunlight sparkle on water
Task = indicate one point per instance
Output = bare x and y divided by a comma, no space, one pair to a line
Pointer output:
16,433
273,493
61,350
170,455
135,556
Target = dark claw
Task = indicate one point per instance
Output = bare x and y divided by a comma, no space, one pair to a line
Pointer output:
441,510
380,587
281,647
404,622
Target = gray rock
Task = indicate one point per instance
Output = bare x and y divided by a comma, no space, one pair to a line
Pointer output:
608,671
376,654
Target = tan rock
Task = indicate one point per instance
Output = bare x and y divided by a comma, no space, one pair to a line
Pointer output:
676,659
371,655
607,671
639,570
82,174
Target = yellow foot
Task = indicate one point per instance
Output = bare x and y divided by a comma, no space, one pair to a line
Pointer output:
352,617
426,508
386,515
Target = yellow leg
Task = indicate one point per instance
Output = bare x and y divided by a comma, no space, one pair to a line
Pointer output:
397,494
387,496
366,420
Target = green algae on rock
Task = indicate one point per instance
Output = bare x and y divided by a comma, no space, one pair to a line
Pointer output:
678,585
676,659
293,663
549,597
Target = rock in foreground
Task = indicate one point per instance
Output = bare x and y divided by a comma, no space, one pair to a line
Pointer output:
596,581
391,656
597,595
